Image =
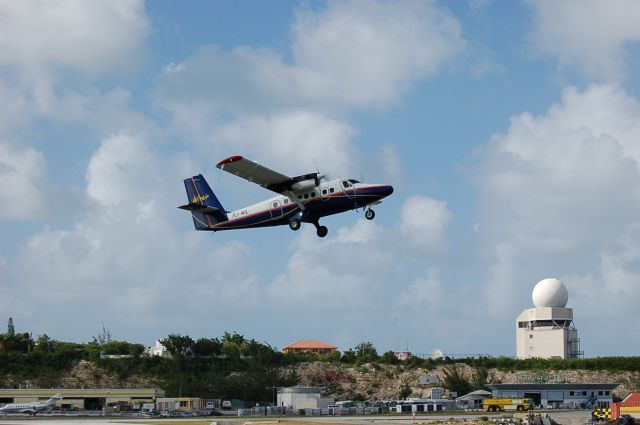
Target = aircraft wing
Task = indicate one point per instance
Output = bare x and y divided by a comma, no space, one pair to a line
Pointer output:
266,177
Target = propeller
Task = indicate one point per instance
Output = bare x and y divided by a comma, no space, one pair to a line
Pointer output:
319,176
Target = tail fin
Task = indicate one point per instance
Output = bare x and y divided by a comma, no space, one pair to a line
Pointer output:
205,207
53,399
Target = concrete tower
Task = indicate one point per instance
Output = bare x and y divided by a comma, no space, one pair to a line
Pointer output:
547,331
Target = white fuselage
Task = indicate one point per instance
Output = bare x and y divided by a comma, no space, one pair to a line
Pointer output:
300,196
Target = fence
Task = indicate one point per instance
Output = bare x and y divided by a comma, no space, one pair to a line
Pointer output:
328,411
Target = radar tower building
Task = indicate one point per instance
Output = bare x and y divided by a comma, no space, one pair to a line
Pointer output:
547,330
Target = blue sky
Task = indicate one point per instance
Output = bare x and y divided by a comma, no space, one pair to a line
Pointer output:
509,130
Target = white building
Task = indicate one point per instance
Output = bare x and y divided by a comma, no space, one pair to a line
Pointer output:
547,331
300,397
158,350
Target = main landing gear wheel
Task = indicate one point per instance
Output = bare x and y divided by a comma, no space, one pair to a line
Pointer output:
369,214
294,224
322,231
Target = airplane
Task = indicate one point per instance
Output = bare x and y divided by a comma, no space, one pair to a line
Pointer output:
31,408
301,199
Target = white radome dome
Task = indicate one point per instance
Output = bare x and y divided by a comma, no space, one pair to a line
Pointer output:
550,293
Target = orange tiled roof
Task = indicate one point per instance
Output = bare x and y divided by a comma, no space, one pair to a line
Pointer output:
310,344
632,399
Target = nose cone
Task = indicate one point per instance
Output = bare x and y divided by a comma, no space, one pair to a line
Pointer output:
386,191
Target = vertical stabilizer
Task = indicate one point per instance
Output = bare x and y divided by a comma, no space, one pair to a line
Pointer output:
204,206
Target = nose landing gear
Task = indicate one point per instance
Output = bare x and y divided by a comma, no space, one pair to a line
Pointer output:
321,231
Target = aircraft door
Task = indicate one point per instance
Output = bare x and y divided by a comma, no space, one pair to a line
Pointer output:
276,209
349,189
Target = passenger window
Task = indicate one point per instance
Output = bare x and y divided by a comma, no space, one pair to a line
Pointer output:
299,196
313,194
275,205
330,190
324,191
345,184
306,196
286,201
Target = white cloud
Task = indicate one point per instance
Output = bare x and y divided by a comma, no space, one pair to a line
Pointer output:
357,275
124,260
424,224
349,54
559,196
123,173
294,141
368,53
591,35
38,35
345,56
49,51
22,175
561,173
424,297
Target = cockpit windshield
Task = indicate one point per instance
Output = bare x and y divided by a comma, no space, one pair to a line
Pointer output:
354,181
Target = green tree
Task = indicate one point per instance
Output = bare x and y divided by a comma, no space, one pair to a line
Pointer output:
405,391
366,352
233,345
178,345
103,337
480,379
348,356
11,330
44,344
207,347
389,357
454,380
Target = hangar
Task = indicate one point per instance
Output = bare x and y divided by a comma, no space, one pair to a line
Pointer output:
556,395
84,398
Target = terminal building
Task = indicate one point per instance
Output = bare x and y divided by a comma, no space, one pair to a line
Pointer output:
547,330
558,395
85,398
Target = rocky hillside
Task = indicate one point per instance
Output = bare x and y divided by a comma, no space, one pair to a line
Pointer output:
386,381
343,381
84,374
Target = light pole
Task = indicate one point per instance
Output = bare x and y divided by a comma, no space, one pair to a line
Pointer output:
244,391
273,388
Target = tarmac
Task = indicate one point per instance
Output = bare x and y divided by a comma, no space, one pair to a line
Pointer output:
573,417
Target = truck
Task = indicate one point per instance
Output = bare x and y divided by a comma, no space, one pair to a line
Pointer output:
503,404
626,412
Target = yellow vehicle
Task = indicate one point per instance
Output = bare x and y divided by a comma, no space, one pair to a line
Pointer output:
502,404
626,412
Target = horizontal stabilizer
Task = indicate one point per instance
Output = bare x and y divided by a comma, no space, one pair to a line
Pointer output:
204,209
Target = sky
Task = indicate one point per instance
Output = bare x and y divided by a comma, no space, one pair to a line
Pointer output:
510,131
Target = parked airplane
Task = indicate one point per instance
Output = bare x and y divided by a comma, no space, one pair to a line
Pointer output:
30,408
301,199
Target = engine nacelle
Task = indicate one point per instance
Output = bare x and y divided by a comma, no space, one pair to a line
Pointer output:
304,185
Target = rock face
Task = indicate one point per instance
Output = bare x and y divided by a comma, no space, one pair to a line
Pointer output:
386,381
343,381
86,375
83,375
